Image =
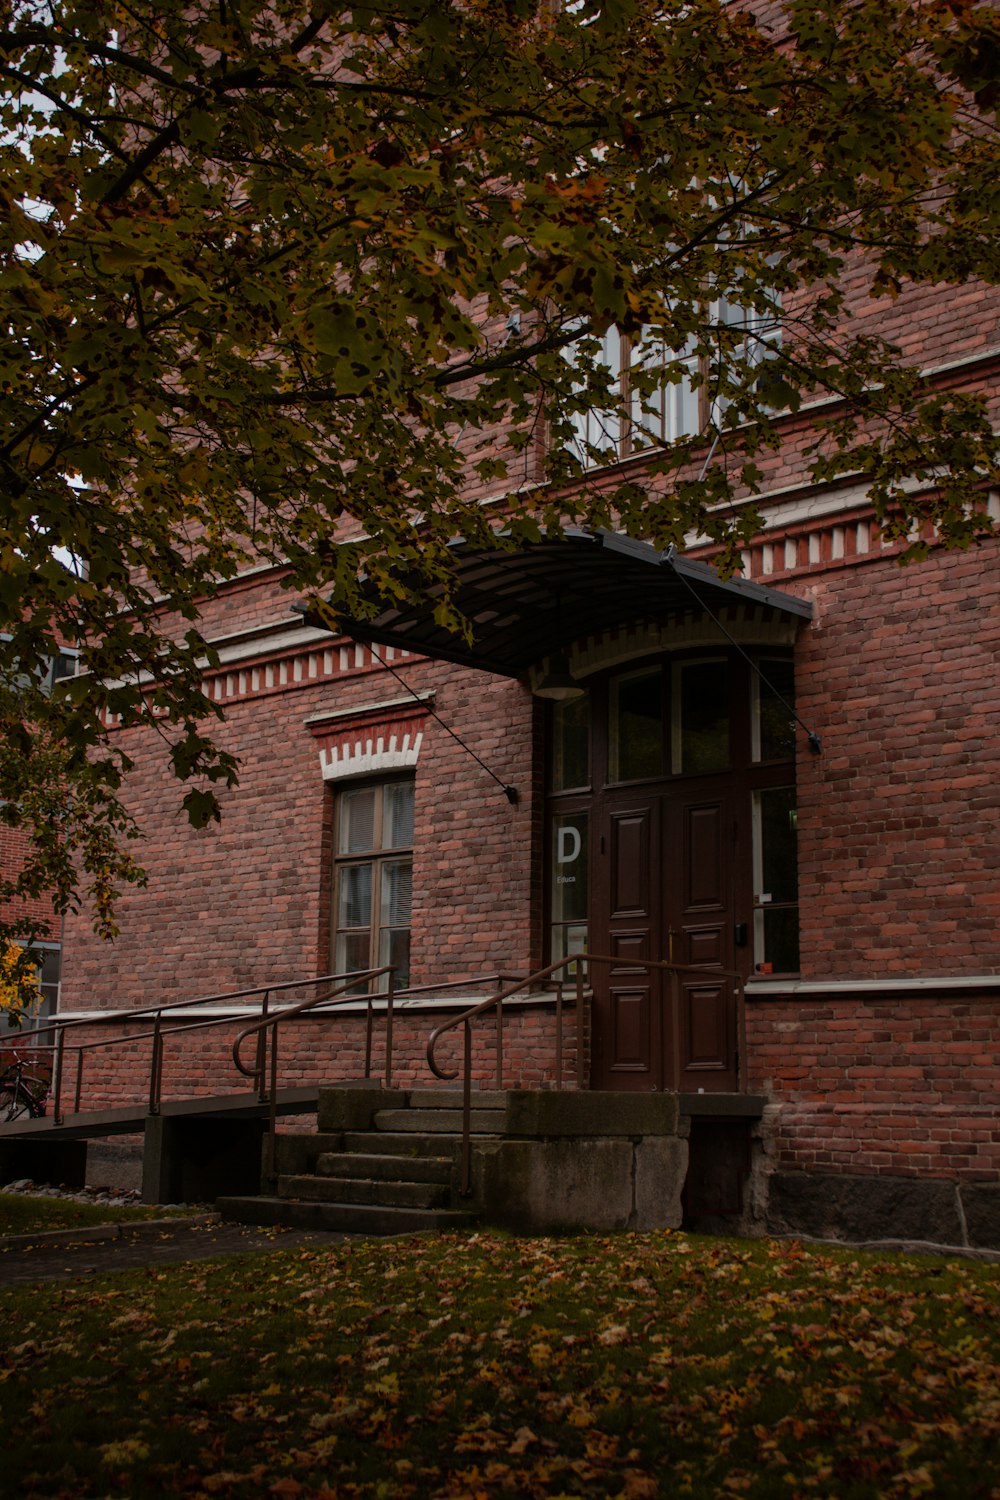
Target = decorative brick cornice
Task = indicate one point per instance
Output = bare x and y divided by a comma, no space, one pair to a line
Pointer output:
251,668
297,667
794,544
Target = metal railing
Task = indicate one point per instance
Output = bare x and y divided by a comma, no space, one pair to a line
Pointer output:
158,1033
582,992
266,1059
496,1002
356,988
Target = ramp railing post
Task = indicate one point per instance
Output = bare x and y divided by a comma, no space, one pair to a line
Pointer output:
559,1034
389,994
580,1070
156,1067
57,1068
467,1114
78,1091
260,1063
272,1114
368,1032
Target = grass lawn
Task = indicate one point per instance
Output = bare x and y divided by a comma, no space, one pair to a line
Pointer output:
22,1214
482,1365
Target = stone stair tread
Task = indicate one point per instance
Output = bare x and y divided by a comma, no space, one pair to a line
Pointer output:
391,1194
402,1143
451,1098
384,1166
449,1121
343,1218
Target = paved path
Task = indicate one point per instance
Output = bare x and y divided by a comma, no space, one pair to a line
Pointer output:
78,1254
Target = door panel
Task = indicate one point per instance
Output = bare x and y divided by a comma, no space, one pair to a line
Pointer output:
704,866
702,911
704,945
625,924
629,1033
704,1030
631,873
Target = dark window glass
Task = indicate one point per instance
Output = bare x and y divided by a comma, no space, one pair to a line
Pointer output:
637,726
776,881
781,939
570,744
774,731
779,843
701,717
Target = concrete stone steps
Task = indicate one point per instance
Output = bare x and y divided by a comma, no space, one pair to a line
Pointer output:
451,1098
399,1143
383,1167
342,1218
439,1121
376,1170
384,1192
389,1160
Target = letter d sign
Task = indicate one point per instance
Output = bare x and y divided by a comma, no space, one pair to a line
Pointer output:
568,846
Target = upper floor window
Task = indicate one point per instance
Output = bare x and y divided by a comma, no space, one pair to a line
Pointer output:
747,339
645,408
56,668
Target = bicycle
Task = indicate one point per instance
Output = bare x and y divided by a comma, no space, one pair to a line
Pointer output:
21,1093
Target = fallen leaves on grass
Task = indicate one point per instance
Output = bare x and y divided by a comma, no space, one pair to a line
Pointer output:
467,1366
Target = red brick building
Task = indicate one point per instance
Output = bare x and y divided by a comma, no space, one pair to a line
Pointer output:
676,811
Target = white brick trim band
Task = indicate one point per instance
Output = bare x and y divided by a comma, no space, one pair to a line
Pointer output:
365,755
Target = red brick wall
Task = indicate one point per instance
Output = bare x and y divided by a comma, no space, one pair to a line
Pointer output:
898,850
13,848
900,1084
248,902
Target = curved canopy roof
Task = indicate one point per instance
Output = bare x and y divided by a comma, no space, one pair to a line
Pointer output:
543,596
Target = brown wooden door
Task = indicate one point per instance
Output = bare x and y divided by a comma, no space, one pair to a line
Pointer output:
662,888
627,925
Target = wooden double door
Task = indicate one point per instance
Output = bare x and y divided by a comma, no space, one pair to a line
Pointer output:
664,885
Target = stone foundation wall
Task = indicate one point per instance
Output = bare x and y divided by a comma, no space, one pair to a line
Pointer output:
910,1210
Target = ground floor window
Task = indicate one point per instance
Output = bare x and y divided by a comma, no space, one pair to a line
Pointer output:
569,884
373,879
47,959
776,881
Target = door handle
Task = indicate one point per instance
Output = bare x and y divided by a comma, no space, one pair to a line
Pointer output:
740,934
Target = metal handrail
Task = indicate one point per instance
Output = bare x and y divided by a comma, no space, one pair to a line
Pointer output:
271,1023
459,984
466,1019
61,1048
113,1014
158,1032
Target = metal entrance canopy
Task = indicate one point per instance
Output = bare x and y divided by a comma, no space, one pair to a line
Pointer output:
543,596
